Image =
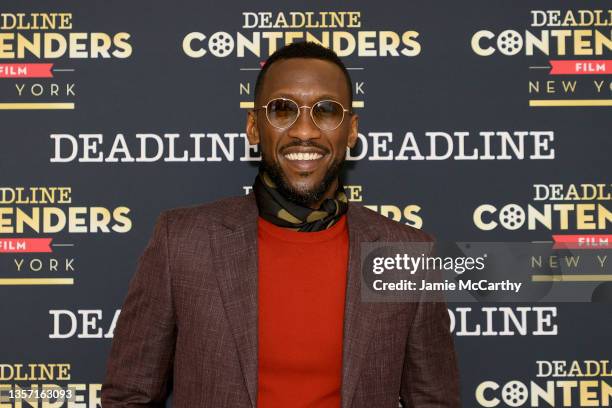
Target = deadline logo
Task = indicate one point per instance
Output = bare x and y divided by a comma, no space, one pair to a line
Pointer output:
577,383
45,384
578,217
28,39
29,215
560,207
264,32
569,50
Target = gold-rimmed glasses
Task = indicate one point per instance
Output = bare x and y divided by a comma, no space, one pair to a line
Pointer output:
282,113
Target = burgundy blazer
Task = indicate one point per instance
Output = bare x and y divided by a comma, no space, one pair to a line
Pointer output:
188,324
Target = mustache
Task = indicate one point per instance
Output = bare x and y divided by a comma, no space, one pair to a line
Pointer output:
307,143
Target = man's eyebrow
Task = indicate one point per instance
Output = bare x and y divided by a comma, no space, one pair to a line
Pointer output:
285,94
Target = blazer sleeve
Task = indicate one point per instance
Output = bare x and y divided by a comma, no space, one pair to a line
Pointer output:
139,367
430,375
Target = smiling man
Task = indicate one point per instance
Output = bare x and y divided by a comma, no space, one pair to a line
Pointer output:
254,301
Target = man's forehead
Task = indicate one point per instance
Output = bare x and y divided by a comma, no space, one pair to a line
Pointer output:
305,94
304,78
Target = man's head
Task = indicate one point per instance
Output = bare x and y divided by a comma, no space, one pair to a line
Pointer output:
305,73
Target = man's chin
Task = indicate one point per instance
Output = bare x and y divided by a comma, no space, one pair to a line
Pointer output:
297,175
305,188
302,193
305,182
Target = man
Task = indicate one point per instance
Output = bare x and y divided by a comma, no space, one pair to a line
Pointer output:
255,300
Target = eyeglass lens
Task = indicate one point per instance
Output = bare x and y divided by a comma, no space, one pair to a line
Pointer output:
327,115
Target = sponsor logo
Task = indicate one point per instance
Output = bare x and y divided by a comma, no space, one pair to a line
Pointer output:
45,47
568,53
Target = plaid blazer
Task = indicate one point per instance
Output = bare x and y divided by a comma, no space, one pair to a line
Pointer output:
188,324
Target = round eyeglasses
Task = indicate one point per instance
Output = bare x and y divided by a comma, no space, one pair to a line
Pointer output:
283,112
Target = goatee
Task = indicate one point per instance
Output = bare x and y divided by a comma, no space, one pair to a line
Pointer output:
302,197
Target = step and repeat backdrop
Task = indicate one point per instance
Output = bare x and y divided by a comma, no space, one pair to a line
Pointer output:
479,121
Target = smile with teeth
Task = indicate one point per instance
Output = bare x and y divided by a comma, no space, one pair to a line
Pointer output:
303,156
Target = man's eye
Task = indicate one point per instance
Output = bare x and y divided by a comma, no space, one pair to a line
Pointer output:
283,107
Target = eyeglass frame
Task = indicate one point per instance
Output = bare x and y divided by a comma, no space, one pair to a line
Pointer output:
300,112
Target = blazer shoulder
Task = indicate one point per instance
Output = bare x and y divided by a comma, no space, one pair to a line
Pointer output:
203,214
393,230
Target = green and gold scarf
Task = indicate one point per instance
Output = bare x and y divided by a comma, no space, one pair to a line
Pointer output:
277,209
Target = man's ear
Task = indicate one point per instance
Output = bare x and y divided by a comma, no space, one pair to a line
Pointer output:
353,131
251,128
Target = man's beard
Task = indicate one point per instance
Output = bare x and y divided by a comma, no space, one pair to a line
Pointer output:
301,197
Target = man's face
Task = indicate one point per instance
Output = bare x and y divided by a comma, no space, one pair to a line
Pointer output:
306,81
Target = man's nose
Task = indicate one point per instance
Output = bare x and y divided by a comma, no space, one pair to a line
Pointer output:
304,128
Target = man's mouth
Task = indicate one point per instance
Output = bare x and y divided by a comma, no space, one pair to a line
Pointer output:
303,156
303,159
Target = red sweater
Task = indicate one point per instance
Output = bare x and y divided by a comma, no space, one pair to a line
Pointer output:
302,280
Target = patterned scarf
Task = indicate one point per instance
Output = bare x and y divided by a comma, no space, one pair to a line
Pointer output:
275,208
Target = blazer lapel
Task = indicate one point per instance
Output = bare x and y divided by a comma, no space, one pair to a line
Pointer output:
235,259
359,317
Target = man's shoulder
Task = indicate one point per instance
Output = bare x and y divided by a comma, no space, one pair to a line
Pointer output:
388,229
207,213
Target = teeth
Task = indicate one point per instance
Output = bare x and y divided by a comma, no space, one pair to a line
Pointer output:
303,156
